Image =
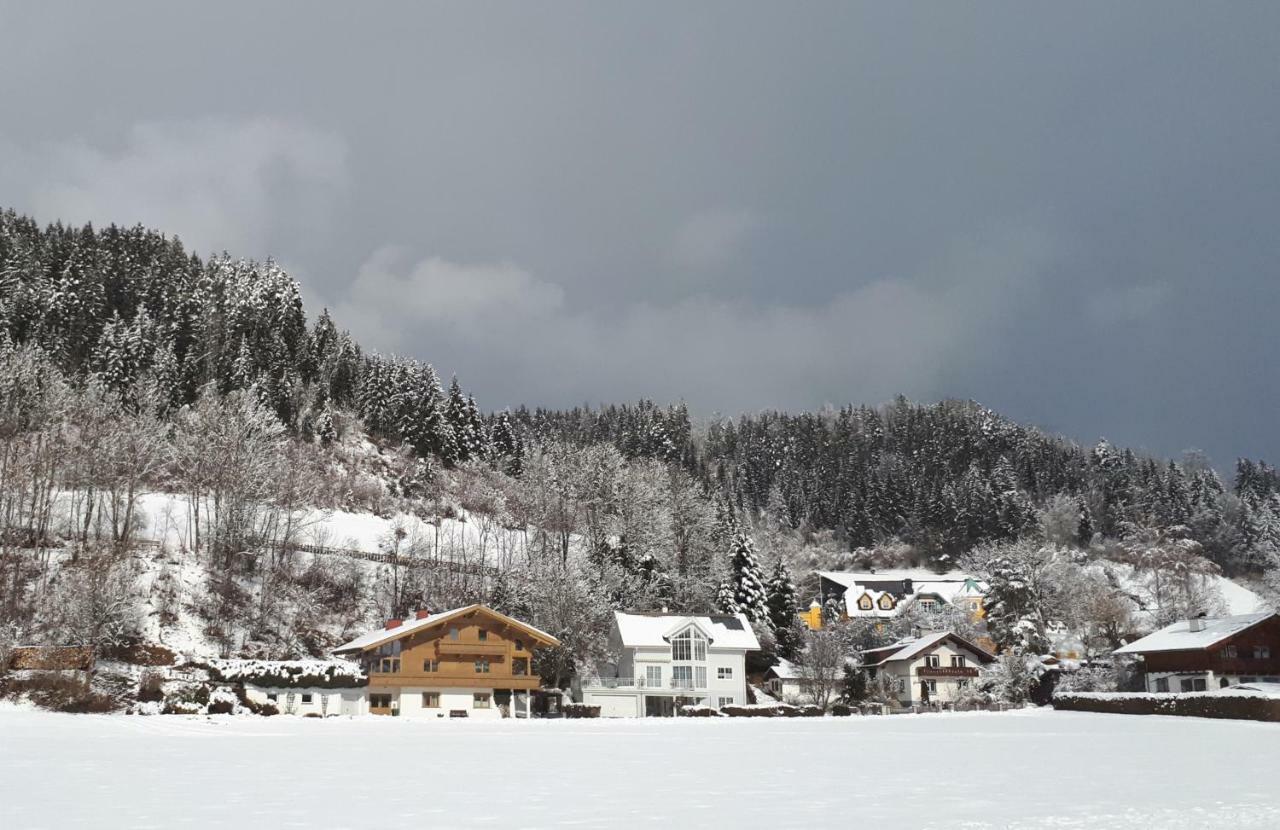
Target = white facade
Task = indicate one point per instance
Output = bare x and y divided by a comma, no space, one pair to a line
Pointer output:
310,701
939,663
666,661
1199,681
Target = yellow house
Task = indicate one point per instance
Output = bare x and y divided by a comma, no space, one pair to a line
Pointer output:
813,617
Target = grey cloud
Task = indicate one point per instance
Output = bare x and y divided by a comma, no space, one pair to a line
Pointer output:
737,204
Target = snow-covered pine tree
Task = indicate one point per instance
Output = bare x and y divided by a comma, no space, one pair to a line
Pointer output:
748,581
781,602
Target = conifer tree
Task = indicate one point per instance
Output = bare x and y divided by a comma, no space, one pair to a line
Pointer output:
748,582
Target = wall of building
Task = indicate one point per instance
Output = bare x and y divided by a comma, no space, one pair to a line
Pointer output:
321,701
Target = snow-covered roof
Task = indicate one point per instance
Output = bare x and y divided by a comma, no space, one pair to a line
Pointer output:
1253,690
911,647
784,670
385,635
654,630
1178,636
851,578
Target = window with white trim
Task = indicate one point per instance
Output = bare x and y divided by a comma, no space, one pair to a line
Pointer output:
689,644
682,677
306,697
1194,684
480,700
957,661
1162,684
482,665
723,702
932,686
1261,652
430,700
724,672
933,661
653,676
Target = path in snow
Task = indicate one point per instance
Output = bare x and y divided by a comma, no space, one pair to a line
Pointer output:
1033,769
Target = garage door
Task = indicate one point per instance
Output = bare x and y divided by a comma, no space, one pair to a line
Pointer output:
617,706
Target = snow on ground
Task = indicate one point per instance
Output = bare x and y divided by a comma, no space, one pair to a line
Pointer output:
1030,769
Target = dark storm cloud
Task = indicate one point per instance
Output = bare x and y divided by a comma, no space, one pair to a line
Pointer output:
1066,213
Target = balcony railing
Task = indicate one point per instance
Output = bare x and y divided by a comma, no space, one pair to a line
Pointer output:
640,683
947,671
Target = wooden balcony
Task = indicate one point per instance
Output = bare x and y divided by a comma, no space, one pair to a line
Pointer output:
456,648
946,671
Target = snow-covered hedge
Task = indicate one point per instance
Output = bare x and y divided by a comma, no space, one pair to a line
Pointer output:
772,710
698,711
1235,704
288,674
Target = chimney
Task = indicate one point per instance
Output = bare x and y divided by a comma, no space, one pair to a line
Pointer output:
916,633
423,613
907,586
1196,623
393,624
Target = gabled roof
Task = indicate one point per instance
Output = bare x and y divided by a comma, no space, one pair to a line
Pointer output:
386,635
1178,636
655,630
911,647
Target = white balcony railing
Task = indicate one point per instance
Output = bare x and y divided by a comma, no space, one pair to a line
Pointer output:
640,683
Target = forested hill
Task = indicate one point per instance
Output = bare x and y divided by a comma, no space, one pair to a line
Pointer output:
131,310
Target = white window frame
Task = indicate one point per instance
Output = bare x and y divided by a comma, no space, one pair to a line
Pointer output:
933,661
653,676
724,672
481,700
958,661
724,701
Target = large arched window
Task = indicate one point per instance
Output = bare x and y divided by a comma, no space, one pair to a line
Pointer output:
689,648
689,645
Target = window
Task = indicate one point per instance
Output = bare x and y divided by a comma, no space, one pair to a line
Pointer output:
957,661
306,698
520,666
482,634
689,645
1229,653
1261,652
886,602
933,661
480,700
1162,685
682,677
929,604
388,665
379,701
932,686
724,673
963,684
653,676
723,702
453,632
430,700
864,602
273,696
482,665
519,645
700,677
1193,684
430,666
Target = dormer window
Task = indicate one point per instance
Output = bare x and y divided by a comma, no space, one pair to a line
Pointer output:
689,644
864,603
886,603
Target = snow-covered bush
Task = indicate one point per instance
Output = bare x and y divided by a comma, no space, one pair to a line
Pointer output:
288,674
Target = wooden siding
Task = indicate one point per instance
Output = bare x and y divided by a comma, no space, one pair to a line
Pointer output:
1266,633
456,658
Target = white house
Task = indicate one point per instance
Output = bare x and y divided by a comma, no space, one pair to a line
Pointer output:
664,661
884,594
933,668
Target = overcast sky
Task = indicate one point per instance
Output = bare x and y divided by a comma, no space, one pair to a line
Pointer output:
1070,213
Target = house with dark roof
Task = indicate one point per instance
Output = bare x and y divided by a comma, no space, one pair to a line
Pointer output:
660,662
1199,654
936,667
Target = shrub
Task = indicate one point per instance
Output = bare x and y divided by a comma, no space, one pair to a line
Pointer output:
841,710
151,687
809,711
581,710
763,710
141,654
696,711
61,692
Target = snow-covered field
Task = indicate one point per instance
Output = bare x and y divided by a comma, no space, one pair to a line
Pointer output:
1032,769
